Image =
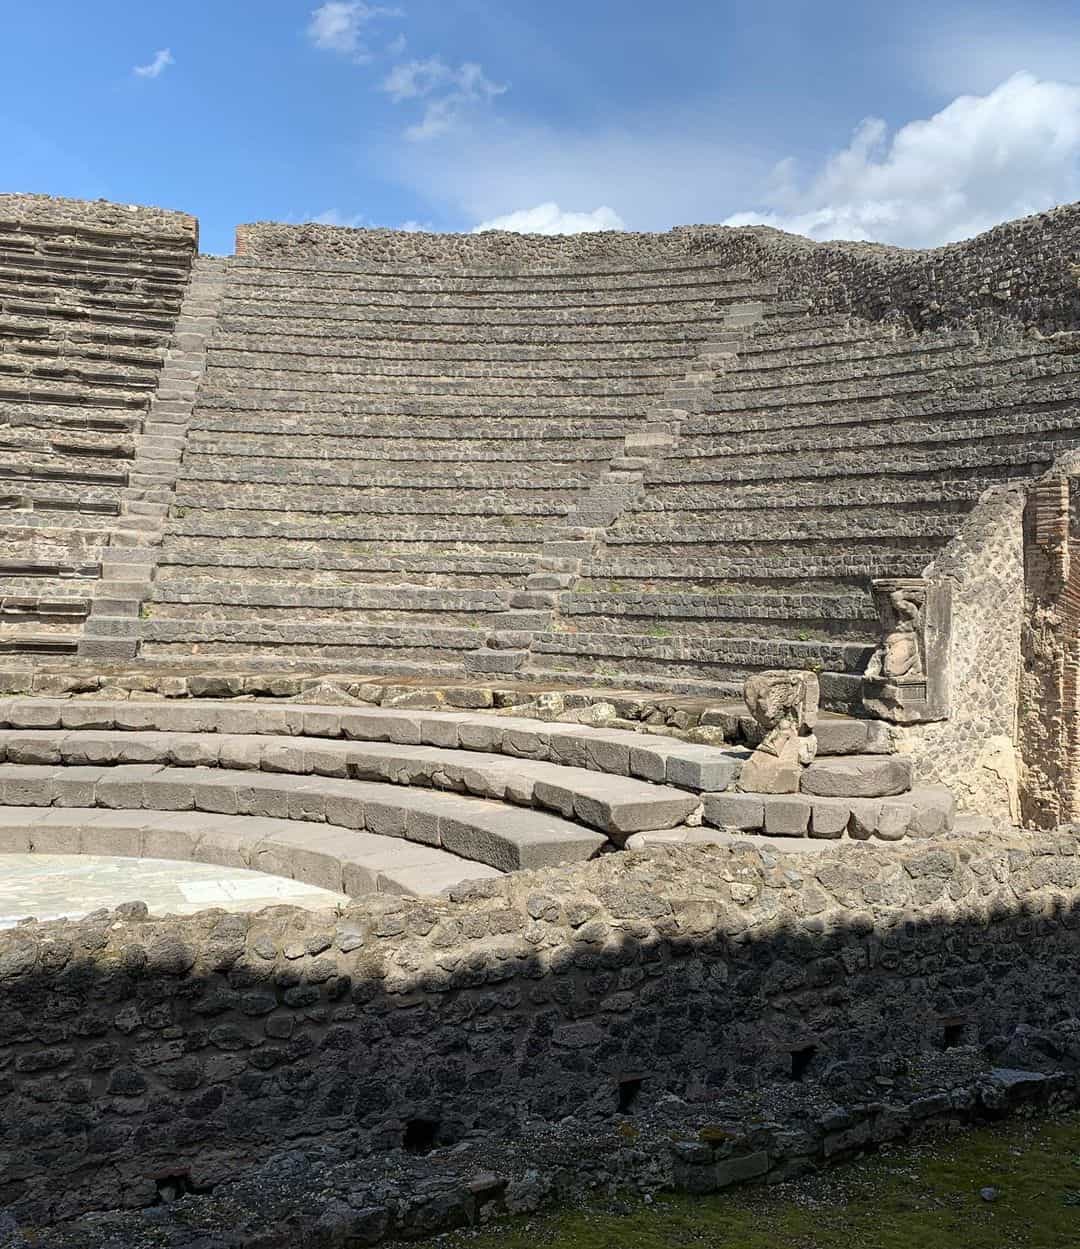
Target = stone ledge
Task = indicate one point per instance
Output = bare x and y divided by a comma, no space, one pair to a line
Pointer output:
482,831
614,805
382,859
685,765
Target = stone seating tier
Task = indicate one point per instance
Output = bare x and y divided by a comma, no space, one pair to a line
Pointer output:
616,783
353,861
86,312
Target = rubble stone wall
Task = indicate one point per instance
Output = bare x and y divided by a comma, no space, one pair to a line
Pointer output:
137,1053
53,210
974,751
1025,271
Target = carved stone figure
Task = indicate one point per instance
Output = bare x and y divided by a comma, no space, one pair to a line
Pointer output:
785,706
900,653
906,680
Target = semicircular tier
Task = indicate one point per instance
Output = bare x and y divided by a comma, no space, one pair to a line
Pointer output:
308,791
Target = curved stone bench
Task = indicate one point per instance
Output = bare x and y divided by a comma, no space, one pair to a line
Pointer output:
618,752
343,860
503,837
614,805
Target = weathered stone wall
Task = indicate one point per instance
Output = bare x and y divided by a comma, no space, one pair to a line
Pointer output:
53,210
136,1052
1026,270
973,752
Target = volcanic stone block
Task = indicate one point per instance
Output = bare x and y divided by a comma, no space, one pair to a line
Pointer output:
842,737
935,811
895,820
858,776
729,810
786,816
705,768
829,817
865,816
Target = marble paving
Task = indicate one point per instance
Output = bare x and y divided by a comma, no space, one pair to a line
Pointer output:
52,886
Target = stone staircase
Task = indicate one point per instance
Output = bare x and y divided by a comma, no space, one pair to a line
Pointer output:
828,453
88,299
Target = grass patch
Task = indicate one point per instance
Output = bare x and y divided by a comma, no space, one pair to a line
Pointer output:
911,1197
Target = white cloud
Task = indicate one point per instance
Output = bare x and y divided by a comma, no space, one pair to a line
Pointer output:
657,172
357,221
449,93
161,62
981,160
338,26
549,218
332,217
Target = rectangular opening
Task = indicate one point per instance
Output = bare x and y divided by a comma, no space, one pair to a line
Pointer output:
801,1060
952,1035
629,1091
420,1136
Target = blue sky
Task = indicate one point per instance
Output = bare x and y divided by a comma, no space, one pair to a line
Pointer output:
912,123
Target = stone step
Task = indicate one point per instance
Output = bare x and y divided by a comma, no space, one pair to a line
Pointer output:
824,572
995,395
28,642
941,460
954,491
351,404
616,752
346,860
348,430
972,377
855,528
381,369
495,332
300,351
859,776
710,653
400,598
924,812
613,805
203,502
260,280
699,458
658,305
557,478
895,360
499,835
392,538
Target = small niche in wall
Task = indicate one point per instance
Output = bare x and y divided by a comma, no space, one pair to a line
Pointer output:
952,1034
420,1136
171,1188
629,1090
801,1060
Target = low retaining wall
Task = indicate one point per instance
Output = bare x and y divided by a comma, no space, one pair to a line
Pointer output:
139,1055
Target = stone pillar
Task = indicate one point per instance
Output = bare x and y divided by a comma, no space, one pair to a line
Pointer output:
1049,719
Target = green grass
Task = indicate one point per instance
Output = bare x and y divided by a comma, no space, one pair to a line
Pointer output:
924,1197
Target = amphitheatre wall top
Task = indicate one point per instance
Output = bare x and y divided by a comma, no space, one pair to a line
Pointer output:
1025,271
53,210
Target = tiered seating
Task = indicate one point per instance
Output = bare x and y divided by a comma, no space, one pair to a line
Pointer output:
408,801
378,453
87,307
832,452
